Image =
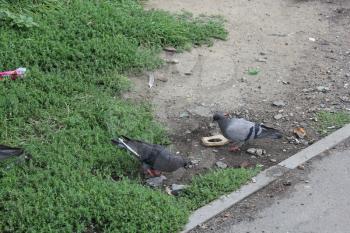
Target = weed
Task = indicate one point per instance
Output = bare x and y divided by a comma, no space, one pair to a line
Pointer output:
330,121
208,187
253,71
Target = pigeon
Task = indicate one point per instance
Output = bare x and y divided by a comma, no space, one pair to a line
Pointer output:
240,130
154,158
7,152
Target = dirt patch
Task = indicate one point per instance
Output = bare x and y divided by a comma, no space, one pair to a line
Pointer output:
302,52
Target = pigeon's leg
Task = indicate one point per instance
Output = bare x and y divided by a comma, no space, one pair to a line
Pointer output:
235,147
151,172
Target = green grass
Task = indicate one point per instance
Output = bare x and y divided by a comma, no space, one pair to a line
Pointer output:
208,187
68,107
330,121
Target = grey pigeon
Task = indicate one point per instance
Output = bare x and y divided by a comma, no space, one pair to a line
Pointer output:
240,130
154,158
7,152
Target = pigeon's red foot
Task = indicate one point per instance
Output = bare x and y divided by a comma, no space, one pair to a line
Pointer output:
234,149
153,173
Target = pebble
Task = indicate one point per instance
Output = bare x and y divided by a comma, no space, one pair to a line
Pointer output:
221,164
177,188
188,73
256,151
287,183
301,167
244,164
251,151
279,103
273,160
170,49
156,181
195,162
260,152
278,116
184,115
172,61
322,89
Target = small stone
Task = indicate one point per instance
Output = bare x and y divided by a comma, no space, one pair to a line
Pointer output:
188,73
184,115
195,162
156,181
279,103
287,183
322,89
347,75
278,116
253,180
188,132
215,151
312,39
244,164
253,157
304,142
301,167
251,151
221,165
162,78
345,98
260,152
273,160
170,49
172,61
176,189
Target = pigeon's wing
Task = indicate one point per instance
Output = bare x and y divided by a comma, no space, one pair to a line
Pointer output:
240,130
156,156
167,162
6,152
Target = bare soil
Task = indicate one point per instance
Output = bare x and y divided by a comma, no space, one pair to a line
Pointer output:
299,48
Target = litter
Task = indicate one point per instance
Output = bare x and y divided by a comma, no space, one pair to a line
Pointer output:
300,132
13,73
216,140
151,80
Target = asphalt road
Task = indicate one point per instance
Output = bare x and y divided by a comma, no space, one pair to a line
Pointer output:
320,205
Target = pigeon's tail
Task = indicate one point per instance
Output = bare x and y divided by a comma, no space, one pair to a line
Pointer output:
7,152
268,132
122,143
118,142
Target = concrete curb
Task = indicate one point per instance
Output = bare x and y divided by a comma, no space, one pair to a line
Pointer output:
264,178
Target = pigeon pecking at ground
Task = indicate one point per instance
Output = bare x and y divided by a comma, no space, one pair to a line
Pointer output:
240,130
7,152
154,158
